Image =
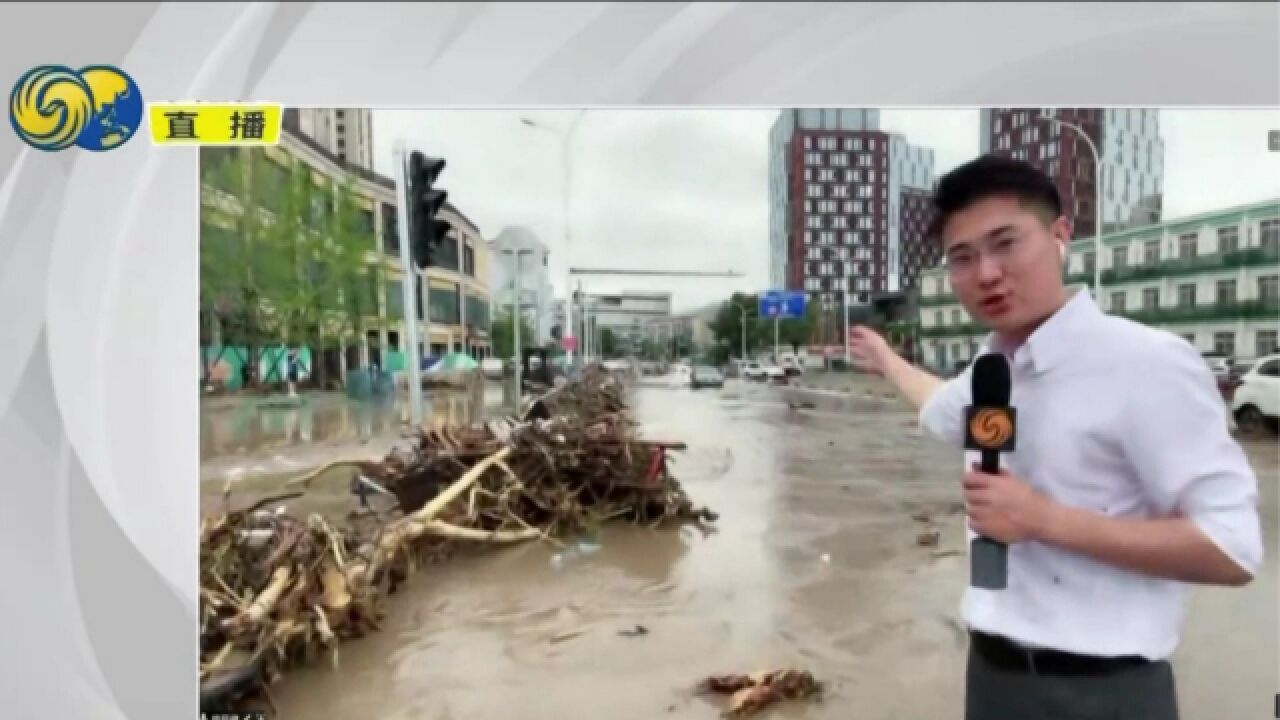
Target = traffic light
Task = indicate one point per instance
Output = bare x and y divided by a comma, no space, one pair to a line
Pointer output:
426,231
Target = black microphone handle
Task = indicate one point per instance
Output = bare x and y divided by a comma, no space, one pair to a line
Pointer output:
991,461
989,559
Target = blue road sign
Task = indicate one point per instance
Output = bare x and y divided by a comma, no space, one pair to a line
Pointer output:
771,304
793,306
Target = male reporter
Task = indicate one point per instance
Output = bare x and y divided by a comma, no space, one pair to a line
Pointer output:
1124,489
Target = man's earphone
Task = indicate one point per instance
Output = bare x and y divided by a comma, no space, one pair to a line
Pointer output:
1062,251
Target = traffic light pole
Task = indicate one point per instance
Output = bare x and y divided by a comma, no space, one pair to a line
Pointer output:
409,286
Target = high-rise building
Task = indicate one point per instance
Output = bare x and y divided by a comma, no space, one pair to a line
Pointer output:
345,132
536,293
848,206
1128,140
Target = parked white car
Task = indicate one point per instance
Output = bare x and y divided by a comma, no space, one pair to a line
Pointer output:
759,371
1219,364
1256,402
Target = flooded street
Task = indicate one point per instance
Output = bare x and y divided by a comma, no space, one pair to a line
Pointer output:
814,564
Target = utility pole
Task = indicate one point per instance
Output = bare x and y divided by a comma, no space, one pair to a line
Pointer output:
844,332
409,288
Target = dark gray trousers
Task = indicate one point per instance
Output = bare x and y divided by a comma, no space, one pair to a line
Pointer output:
1141,693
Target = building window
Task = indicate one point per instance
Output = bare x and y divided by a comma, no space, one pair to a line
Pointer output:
1269,233
813,158
1228,239
1226,292
1090,260
1269,288
840,160
1053,168
955,317
1150,298
827,175
864,161
808,143
1119,257
827,237
866,191
848,238
1151,252
1187,295
815,191
857,144
840,191
840,222
865,223
1224,343
848,207
1264,343
1187,246
808,237
813,222
1117,302
827,143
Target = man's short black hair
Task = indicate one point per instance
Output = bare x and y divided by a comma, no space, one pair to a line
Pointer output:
992,175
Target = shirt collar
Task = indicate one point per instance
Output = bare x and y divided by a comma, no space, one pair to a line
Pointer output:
1054,339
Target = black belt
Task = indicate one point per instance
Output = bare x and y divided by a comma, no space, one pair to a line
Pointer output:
1004,654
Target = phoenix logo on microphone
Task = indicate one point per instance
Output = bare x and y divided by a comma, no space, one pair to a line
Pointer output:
991,427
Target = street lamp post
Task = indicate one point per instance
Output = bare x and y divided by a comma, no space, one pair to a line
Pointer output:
844,300
409,287
517,313
1097,186
565,148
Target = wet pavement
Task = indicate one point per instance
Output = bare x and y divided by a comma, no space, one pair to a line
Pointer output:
814,564
254,436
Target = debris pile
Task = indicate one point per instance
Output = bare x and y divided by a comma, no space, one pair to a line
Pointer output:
276,589
753,693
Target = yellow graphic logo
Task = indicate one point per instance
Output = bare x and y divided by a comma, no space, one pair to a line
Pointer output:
53,107
991,427
215,123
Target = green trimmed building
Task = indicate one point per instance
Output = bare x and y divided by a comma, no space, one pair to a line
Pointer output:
1213,279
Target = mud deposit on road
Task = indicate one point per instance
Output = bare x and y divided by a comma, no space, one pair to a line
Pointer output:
814,564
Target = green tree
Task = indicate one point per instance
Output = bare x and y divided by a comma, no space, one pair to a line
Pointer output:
503,334
798,332
608,343
284,259
233,227
354,279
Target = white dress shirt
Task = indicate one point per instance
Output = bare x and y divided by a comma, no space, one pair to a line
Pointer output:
1126,421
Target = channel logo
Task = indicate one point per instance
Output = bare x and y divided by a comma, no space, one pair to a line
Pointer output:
53,107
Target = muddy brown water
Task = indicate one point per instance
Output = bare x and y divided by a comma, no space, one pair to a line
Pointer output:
813,564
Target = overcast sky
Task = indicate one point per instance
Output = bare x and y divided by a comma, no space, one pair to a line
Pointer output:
677,189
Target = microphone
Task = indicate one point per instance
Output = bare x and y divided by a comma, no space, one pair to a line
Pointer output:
990,428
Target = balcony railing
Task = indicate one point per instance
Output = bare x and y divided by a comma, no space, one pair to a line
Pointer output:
1233,260
960,330
1243,310
934,300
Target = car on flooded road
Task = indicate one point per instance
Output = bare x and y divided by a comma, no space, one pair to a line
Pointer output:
705,376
